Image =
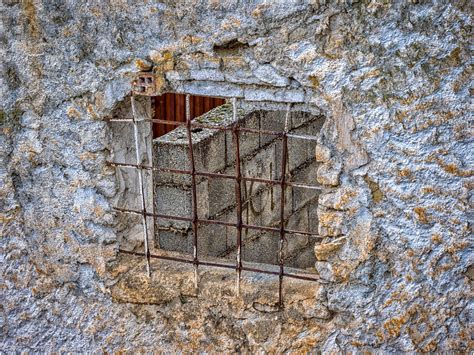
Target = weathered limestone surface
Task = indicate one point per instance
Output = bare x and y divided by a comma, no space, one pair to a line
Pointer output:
393,81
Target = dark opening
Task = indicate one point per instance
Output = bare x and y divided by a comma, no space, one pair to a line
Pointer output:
172,107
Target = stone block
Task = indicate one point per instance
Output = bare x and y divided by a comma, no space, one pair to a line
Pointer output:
323,153
328,173
241,77
209,88
342,198
206,74
324,251
325,270
330,222
261,94
269,75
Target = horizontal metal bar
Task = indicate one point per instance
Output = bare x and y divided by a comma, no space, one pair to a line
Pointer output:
213,221
219,265
216,175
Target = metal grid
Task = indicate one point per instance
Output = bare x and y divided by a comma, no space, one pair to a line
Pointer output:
238,178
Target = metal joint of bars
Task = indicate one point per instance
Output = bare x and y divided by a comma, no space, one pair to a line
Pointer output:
235,128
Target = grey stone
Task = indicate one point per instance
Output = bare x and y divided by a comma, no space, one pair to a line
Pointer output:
269,75
256,94
393,80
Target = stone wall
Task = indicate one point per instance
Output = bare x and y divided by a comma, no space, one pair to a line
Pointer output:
392,80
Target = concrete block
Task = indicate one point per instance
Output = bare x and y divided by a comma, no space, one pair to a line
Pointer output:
294,243
263,248
172,156
210,152
261,165
305,175
271,121
298,220
298,153
252,208
180,241
212,240
221,195
172,200
271,204
248,141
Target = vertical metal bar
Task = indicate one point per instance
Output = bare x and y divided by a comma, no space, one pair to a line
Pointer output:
140,182
282,208
238,194
193,191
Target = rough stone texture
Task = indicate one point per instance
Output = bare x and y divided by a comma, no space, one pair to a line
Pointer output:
393,81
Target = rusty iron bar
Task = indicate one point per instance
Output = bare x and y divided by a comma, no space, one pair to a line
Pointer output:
282,208
142,189
216,175
238,195
220,265
223,223
193,193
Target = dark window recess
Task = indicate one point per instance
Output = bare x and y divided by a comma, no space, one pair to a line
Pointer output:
172,107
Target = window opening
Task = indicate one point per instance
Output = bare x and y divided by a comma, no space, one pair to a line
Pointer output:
172,107
280,182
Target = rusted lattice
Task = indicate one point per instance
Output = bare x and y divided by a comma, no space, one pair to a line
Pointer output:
235,128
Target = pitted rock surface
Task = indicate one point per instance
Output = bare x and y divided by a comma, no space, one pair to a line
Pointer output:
393,81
